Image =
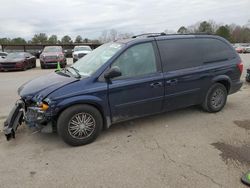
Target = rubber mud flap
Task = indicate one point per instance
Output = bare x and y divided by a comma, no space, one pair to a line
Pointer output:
14,119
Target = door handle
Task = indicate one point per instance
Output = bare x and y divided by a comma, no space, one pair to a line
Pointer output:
172,82
156,84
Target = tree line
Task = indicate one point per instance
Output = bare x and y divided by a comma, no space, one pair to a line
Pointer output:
233,33
42,38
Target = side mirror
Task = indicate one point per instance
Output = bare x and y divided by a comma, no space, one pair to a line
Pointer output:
65,51
113,72
73,50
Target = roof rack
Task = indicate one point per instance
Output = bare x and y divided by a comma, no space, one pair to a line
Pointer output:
150,35
164,34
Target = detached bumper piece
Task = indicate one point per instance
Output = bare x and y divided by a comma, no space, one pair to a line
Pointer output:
14,119
248,75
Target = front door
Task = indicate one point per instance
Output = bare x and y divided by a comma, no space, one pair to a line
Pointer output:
139,91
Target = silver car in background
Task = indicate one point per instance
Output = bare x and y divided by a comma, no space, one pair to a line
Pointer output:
80,51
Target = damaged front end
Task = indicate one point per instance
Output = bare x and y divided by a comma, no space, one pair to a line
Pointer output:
14,119
35,115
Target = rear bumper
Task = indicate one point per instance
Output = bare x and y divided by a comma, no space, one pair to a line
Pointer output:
235,86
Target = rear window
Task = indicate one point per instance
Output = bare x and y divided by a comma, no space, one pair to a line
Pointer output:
186,53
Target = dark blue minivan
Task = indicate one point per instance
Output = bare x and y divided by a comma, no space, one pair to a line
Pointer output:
129,79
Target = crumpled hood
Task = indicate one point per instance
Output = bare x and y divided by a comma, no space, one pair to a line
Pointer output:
42,86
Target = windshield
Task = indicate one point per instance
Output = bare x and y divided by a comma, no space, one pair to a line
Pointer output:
15,55
52,49
82,48
98,57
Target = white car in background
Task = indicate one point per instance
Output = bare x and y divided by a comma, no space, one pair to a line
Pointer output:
3,55
80,51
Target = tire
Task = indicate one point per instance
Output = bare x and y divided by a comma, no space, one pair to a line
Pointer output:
248,78
211,103
34,65
24,67
67,125
42,66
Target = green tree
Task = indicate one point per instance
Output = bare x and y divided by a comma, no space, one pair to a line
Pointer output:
86,40
224,32
52,39
5,41
40,38
182,30
18,40
205,27
66,40
78,39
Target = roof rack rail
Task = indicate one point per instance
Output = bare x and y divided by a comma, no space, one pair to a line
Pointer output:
164,34
150,35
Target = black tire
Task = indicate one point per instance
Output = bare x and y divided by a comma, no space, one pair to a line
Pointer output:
248,78
34,65
70,114
211,103
42,66
24,67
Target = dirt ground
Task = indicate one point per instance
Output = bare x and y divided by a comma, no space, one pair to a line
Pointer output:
184,148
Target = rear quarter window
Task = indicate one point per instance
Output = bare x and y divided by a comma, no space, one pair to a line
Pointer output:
215,50
179,54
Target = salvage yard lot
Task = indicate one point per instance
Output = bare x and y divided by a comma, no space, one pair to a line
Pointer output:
183,148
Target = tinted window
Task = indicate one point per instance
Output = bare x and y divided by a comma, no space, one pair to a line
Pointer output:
179,54
137,60
214,50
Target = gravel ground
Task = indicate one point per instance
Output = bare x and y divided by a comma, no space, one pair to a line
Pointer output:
184,148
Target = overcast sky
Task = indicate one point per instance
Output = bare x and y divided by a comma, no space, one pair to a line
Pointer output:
89,18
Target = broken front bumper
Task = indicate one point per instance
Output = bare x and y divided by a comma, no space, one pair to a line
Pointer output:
31,115
14,119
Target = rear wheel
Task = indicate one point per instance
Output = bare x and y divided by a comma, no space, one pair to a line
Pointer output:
79,125
216,98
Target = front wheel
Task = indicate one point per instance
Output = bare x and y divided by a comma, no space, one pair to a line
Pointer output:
79,125
216,98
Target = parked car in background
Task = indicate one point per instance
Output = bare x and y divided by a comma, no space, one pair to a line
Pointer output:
242,47
247,49
51,55
128,79
18,61
80,51
67,51
239,49
3,55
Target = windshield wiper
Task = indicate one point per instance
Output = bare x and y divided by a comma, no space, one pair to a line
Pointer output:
76,71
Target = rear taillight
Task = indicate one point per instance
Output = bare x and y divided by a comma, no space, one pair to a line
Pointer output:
240,67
